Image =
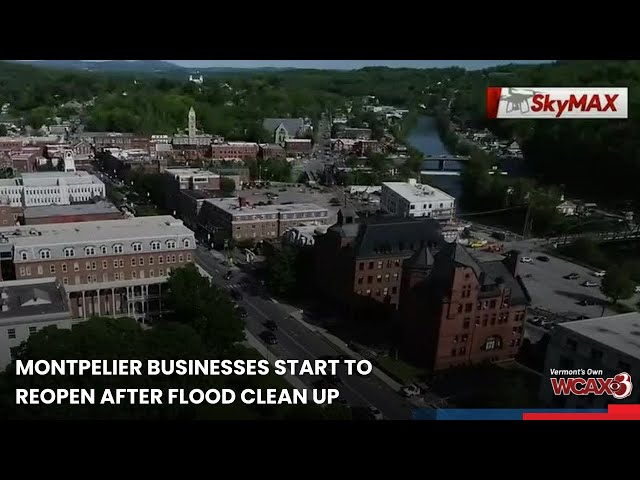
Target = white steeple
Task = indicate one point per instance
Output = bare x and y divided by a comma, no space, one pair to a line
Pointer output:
192,123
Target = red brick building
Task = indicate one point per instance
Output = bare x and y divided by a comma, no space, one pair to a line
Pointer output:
457,311
360,262
230,150
271,150
298,145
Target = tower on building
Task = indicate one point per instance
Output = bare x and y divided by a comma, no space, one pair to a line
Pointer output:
69,162
192,123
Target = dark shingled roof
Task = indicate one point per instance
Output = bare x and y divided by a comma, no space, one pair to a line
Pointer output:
292,125
394,235
458,254
495,273
422,259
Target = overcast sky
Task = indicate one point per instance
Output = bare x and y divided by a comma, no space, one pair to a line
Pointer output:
349,64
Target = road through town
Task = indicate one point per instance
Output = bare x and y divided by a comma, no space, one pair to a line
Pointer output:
295,341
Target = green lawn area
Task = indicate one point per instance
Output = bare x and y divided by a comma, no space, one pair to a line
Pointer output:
400,370
146,211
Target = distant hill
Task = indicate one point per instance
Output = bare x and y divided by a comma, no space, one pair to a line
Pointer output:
142,66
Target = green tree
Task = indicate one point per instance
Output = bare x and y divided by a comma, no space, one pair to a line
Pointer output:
192,299
227,186
617,285
282,271
3,130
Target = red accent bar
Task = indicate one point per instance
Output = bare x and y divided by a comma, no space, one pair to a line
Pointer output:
493,101
614,412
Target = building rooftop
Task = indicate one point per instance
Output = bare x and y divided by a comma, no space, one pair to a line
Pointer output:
240,144
9,182
161,226
50,179
298,140
619,332
34,299
385,236
190,172
232,205
414,193
83,209
292,125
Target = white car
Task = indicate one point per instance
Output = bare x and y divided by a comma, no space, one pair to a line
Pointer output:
410,390
374,413
600,273
526,260
637,290
589,284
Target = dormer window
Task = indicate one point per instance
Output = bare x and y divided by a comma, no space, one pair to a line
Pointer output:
186,243
137,247
117,248
90,251
24,255
45,254
103,249
69,252
155,245
171,244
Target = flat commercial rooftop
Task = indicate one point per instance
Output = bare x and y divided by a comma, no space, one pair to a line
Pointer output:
28,298
161,226
232,205
619,332
84,209
418,192
50,179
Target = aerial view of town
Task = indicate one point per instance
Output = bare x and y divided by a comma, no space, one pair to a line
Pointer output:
159,210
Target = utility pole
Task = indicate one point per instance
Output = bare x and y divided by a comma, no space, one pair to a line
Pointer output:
527,222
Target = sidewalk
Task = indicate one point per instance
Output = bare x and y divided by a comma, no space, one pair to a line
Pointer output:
341,345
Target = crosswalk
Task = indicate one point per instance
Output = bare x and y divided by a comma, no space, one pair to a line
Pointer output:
235,286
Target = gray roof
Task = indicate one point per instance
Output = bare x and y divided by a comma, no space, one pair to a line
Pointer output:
396,236
459,255
495,273
292,125
84,209
33,300
619,332
422,259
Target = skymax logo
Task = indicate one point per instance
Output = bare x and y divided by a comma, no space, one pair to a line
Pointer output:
583,103
619,387
557,103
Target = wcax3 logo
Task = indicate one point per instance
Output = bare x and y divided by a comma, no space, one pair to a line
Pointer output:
619,386
557,103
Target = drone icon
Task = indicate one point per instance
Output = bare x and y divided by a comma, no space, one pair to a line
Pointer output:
518,101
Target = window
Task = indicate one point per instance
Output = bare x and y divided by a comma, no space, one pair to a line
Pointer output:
596,354
160,259
368,292
385,291
161,272
104,264
370,265
186,243
155,245
361,266
463,350
379,265
492,304
453,352
64,268
52,269
395,277
492,343
394,290
150,260
134,274
90,251
116,276
117,248
466,323
171,244
152,273
11,333
115,264
24,255
93,265
468,307
188,257
69,252
133,261
386,277
39,269
379,279
360,279
45,254
180,258
28,271
105,277
168,260
137,247
572,345
369,279
87,266
22,271
173,259
33,330
121,263
378,292
65,281
88,278
103,249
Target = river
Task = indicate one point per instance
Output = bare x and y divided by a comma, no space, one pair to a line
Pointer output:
425,138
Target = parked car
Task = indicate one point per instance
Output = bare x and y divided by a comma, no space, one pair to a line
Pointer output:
586,302
582,317
572,276
526,260
269,337
410,390
236,295
242,312
600,273
374,413
542,258
271,325
587,283
637,289
228,275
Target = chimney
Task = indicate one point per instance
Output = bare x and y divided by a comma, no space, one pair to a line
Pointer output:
511,261
242,201
412,181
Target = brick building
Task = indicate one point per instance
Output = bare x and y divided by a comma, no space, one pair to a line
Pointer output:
235,218
358,262
271,150
104,140
108,268
90,212
234,150
298,145
354,133
457,311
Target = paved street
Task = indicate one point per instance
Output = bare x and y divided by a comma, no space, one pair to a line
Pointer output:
295,341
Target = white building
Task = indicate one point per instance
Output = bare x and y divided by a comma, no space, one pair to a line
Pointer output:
609,344
412,199
27,306
52,188
567,208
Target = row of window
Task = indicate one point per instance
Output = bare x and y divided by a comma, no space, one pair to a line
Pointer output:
11,332
117,276
595,354
379,278
117,263
380,264
487,304
384,292
90,251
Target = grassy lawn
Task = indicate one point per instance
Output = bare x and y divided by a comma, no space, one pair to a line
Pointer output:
399,370
146,211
